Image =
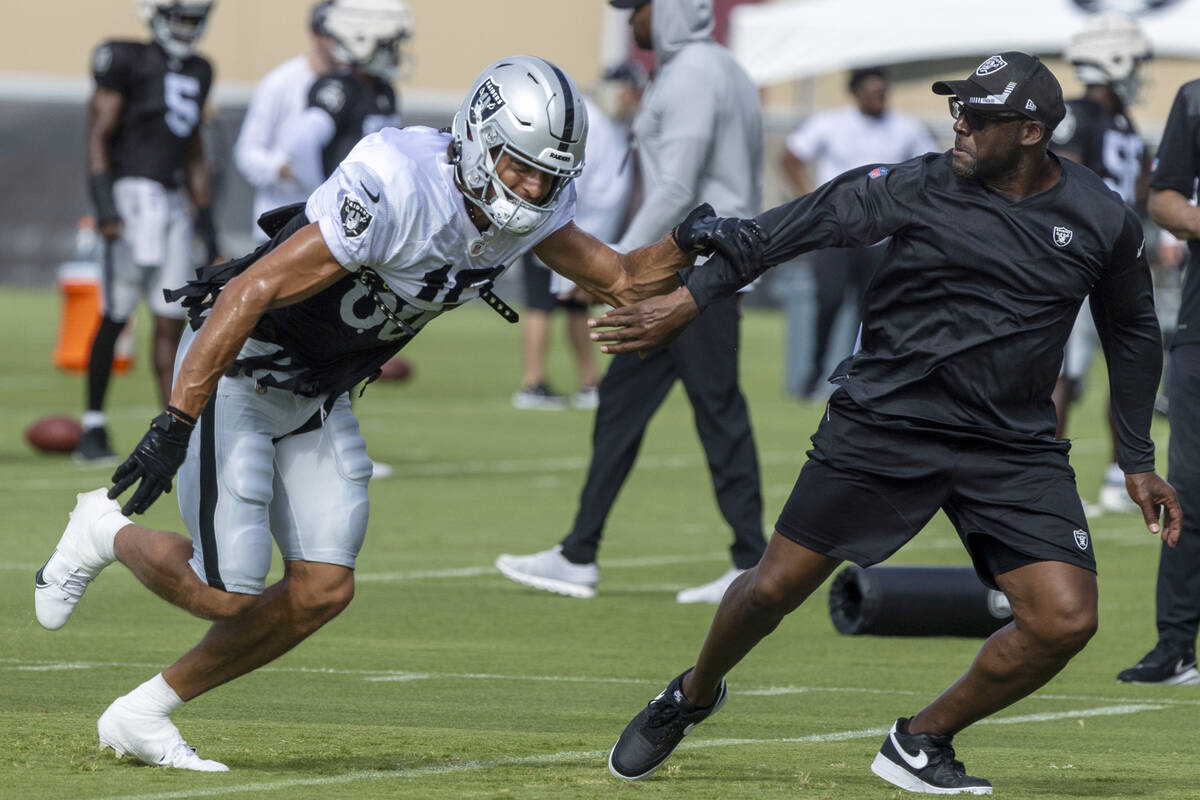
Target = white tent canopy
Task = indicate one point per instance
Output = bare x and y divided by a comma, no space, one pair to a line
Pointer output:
789,40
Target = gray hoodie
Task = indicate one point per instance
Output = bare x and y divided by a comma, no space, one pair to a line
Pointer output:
699,129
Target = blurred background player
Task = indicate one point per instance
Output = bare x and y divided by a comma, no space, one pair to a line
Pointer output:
826,145
358,97
143,142
1177,598
604,192
699,138
1098,133
278,100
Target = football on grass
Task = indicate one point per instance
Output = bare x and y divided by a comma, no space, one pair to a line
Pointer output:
398,369
53,434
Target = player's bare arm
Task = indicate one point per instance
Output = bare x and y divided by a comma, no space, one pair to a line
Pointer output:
103,116
1173,211
614,278
299,268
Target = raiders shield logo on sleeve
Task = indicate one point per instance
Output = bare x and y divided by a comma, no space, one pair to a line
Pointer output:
355,217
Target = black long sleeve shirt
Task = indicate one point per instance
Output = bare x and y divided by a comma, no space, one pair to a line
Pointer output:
965,321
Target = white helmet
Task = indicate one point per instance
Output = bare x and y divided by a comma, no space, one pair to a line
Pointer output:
530,109
175,24
367,34
1109,51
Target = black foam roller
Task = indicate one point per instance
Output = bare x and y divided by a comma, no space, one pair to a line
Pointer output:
915,601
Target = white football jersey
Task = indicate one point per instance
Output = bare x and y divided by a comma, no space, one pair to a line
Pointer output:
392,205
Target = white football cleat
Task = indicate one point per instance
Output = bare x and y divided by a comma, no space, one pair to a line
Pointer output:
78,558
551,571
149,737
710,592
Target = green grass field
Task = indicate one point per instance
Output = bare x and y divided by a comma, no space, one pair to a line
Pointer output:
444,680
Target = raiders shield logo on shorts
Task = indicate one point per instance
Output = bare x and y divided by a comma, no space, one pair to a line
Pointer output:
355,217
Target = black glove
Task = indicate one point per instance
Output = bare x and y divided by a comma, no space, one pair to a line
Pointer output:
206,229
155,461
740,241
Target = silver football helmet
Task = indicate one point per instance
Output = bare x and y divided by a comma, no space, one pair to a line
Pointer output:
175,24
1109,51
367,34
532,111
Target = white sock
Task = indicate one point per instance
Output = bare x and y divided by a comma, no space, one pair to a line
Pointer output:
155,696
93,419
106,528
1114,475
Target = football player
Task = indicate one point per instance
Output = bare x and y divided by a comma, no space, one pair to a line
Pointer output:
1098,133
143,144
414,222
358,98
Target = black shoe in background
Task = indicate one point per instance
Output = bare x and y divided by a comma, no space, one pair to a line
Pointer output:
93,447
654,733
918,762
1168,664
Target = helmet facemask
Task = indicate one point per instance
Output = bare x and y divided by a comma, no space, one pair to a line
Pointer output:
176,26
368,34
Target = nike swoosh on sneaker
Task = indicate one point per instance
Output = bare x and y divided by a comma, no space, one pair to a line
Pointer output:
916,762
38,581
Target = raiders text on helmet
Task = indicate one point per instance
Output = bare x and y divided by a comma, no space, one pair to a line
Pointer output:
1109,51
530,109
367,34
175,24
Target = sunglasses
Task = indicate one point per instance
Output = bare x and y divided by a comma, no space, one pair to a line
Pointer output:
977,120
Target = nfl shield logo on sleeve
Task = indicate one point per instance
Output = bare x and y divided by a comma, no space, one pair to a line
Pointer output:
1062,236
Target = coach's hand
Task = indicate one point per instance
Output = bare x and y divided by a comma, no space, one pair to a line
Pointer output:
1156,498
154,461
740,241
654,322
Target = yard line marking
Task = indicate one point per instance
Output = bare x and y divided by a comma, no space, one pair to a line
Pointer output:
403,676
576,755
471,572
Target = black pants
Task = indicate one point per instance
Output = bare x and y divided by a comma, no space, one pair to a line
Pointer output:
1178,593
836,271
705,358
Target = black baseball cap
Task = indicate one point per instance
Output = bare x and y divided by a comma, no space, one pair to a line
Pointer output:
627,3
1013,81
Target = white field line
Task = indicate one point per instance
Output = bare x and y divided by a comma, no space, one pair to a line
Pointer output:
593,755
471,572
651,684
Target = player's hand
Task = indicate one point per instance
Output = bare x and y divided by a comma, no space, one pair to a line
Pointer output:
740,241
154,462
654,322
111,229
1156,498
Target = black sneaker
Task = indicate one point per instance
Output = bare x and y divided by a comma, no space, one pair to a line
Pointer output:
93,447
922,763
1168,664
649,738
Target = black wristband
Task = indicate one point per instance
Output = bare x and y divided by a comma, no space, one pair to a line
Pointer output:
182,416
100,190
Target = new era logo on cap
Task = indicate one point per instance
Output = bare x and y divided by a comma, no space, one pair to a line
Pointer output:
1011,80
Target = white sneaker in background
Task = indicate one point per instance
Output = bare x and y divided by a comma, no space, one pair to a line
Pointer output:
149,737
84,549
711,592
587,398
551,571
1113,497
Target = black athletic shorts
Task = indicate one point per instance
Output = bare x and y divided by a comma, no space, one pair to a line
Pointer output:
872,483
536,276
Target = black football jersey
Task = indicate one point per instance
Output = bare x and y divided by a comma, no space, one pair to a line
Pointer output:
164,98
358,105
965,320
1177,167
1105,142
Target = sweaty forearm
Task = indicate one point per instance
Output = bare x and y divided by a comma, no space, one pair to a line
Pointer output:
233,317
